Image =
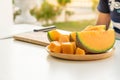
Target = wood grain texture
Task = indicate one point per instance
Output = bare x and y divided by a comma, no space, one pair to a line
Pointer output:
39,38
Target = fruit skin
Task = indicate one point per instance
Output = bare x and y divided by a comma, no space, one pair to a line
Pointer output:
99,35
53,35
88,28
56,35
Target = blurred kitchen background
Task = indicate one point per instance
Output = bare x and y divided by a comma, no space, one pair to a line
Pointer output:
71,15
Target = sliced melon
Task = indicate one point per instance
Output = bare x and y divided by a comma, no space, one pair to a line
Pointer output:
64,38
96,27
68,48
53,35
74,45
73,36
79,51
55,46
96,41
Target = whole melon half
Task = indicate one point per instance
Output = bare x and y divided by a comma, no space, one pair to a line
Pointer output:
95,41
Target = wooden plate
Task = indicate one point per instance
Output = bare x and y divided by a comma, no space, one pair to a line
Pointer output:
82,57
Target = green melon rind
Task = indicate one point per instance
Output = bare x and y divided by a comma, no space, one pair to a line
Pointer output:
88,49
82,45
49,36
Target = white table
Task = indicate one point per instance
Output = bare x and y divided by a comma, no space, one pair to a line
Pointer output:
25,61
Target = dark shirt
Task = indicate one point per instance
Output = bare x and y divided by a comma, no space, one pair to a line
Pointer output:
111,7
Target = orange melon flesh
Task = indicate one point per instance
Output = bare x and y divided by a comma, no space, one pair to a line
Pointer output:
74,45
68,48
53,35
79,51
96,41
64,38
55,46
73,36
96,27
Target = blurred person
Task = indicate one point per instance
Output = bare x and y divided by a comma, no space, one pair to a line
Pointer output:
109,11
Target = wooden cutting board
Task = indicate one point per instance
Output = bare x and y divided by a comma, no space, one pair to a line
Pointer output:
39,38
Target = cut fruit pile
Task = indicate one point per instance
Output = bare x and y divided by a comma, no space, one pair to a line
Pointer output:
65,47
93,39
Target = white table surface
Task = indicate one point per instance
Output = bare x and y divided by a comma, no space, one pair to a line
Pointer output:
25,61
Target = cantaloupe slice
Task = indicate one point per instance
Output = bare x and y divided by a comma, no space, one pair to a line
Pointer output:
96,27
73,36
88,28
68,47
64,38
74,45
96,41
55,46
79,51
53,35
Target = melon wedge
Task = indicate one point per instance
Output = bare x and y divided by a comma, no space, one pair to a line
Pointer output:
96,27
73,36
96,41
53,35
64,38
